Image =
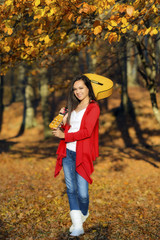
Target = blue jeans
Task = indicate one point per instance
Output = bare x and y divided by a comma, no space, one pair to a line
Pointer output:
77,186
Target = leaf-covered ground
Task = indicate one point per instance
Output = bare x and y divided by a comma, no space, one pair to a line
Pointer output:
124,196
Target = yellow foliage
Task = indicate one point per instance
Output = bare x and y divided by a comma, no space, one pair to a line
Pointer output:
112,37
37,2
70,16
123,29
106,35
39,30
147,31
7,48
135,28
97,30
47,39
113,23
157,20
124,20
109,27
52,11
78,20
9,2
72,44
48,2
130,10
9,31
153,32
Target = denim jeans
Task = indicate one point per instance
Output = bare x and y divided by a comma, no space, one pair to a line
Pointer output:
77,186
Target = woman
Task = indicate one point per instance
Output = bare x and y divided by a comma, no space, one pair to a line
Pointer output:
78,149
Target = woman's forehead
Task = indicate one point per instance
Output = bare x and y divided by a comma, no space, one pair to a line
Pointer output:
78,83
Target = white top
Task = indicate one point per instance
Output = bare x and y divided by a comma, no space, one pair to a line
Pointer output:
75,122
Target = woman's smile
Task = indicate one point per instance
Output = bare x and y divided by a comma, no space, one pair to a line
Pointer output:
80,90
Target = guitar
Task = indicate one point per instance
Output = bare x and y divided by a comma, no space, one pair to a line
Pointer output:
102,88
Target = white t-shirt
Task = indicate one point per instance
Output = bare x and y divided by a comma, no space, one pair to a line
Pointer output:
75,122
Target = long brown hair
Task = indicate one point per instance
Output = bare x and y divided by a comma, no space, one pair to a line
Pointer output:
72,100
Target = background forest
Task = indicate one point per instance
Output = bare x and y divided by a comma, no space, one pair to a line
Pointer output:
44,44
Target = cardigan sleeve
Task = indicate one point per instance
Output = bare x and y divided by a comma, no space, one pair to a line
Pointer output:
91,119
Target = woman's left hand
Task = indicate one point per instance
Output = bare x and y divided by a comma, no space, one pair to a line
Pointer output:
58,133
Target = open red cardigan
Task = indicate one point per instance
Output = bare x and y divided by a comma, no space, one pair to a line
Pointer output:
87,148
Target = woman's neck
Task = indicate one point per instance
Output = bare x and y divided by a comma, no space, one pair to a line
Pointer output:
83,104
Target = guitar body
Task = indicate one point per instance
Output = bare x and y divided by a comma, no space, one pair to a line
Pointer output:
102,86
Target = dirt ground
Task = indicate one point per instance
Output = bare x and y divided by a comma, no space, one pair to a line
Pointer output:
124,196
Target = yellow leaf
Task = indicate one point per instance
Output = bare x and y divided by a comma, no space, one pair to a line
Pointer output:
9,2
130,10
124,20
39,30
79,20
7,48
37,2
26,42
9,31
156,20
63,34
123,30
106,35
154,32
24,56
109,27
97,30
113,23
52,11
93,8
112,37
135,28
147,31
48,2
70,16
72,44
47,39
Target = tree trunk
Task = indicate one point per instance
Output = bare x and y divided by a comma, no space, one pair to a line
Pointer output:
153,98
1,101
149,73
13,95
124,95
30,108
131,64
22,80
44,93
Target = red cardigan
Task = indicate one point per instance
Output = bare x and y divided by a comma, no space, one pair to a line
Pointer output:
87,148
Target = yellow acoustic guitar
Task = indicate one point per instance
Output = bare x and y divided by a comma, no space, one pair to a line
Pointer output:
102,86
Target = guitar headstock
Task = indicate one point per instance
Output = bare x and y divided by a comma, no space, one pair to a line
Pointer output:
56,122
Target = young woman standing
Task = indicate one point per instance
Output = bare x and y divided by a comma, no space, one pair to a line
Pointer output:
78,148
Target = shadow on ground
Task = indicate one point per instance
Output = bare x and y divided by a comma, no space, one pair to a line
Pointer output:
98,232
3,232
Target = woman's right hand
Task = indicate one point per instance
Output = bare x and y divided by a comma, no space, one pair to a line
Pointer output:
62,110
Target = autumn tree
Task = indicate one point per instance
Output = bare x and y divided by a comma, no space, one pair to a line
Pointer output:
38,30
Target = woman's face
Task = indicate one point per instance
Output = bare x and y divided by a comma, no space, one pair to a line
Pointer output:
80,90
